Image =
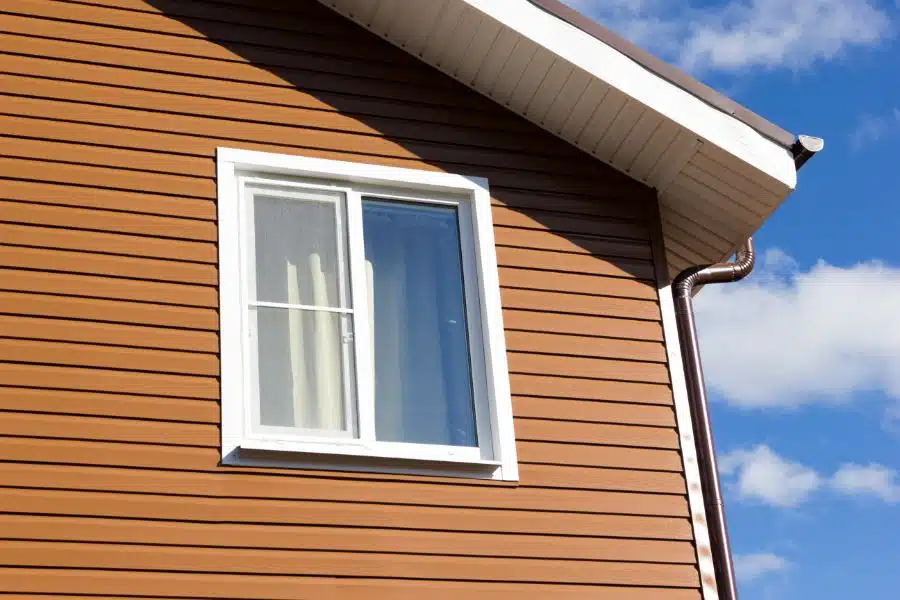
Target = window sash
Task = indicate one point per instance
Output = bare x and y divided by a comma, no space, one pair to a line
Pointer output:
361,440
249,187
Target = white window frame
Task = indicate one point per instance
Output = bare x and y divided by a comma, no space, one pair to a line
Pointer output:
495,458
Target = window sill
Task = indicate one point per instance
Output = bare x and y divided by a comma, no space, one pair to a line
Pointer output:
388,458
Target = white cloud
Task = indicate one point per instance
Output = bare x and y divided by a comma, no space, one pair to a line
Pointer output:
872,129
764,476
776,33
748,567
787,337
744,33
761,475
867,480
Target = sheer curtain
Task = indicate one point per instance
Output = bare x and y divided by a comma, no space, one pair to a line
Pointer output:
300,351
423,389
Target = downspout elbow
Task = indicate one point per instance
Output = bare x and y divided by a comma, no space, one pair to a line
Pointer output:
687,280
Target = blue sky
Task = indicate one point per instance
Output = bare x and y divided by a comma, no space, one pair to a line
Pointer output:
808,425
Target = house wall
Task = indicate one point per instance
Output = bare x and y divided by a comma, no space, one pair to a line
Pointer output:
109,455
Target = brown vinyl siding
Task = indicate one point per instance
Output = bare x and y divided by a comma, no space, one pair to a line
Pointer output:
110,484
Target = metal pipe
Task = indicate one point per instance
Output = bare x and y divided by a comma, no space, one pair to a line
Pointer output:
682,290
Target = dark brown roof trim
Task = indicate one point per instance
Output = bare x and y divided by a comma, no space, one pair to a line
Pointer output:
668,72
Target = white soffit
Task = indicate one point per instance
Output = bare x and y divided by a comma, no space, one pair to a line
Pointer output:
718,179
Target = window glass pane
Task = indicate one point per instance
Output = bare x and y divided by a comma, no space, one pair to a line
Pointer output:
298,249
423,381
305,368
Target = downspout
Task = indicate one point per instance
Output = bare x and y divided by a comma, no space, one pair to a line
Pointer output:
682,291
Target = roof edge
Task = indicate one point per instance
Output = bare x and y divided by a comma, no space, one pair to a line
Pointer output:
667,71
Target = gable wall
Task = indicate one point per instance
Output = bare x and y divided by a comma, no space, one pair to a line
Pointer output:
110,112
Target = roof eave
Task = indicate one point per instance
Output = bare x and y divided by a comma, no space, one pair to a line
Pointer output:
718,171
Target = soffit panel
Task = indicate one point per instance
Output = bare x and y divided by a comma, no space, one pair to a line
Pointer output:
711,196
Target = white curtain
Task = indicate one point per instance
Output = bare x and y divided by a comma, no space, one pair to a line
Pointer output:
317,400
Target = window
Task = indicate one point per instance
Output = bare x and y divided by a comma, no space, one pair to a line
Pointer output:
360,318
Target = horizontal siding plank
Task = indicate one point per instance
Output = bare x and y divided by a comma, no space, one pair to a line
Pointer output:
575,366
544,302
535,320
174,215
100,264
112,221
92,332
105,177
65,238
593,411
77,305
577,263
550,453
576,283
546,343
615,201
99,404
341,539
108,357
574,432
89,466
549,386
596,478
53,147
525,238
262,587
339,564
110,288
103,428
104,380
562,223
337,514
